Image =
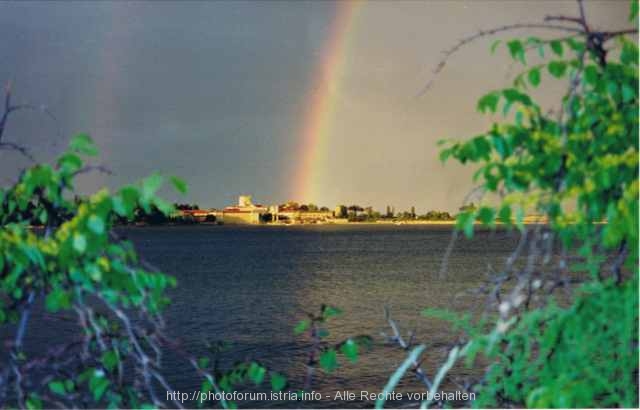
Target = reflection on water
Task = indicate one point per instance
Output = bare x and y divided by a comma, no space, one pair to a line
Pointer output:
251,285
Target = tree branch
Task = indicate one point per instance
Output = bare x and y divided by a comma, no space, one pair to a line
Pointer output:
11,146
584,30
485,33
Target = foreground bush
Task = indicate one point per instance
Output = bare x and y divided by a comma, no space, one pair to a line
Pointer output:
578,167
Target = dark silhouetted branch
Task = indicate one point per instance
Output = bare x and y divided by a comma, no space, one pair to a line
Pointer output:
102,169
11,146
594,39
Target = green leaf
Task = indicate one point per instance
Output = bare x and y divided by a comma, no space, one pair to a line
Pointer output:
79,242
43,217
58,299
110,360
505,214
96,224
69,163
612,88
487,215
464,222
591,74
150,185
302,326
499,145
445,154
533,41
512,95
203,362
278,381
556,47
577,46
125,202
163,206
506,108
83,144
557,68
481,148
17,293
633,12
330,311
534,77
179,184
256,373
57,387
516,49
329,360
98,384
350,350
519,118
628,93
33,402
488,102
206,386
539,398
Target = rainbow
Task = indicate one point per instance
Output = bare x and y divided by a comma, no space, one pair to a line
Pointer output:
312,153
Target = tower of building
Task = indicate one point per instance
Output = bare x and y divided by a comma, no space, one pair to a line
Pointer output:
244,201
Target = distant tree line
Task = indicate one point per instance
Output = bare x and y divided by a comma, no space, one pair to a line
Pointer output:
357,213
186,207
310,207
155,216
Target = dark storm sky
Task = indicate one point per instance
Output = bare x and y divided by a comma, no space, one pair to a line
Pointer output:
215,92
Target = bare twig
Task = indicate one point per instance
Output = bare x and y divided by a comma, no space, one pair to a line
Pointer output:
397,338
103,169
10,108
485,33
595,38
11,146
475,193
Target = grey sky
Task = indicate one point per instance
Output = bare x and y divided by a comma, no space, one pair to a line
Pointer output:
215,92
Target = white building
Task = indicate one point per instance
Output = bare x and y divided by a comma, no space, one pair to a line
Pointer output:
244,213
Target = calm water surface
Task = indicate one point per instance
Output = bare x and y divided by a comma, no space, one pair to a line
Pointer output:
251,285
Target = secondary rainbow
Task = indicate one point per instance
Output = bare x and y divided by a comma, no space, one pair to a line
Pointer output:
321,102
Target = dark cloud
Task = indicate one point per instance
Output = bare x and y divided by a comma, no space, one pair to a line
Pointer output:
216,91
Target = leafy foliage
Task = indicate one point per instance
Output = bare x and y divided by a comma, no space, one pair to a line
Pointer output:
578,168
562,357
75,263
325,353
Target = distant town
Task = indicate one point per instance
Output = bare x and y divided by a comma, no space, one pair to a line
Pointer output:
245,212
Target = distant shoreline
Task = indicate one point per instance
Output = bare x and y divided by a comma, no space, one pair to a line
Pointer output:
268,225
